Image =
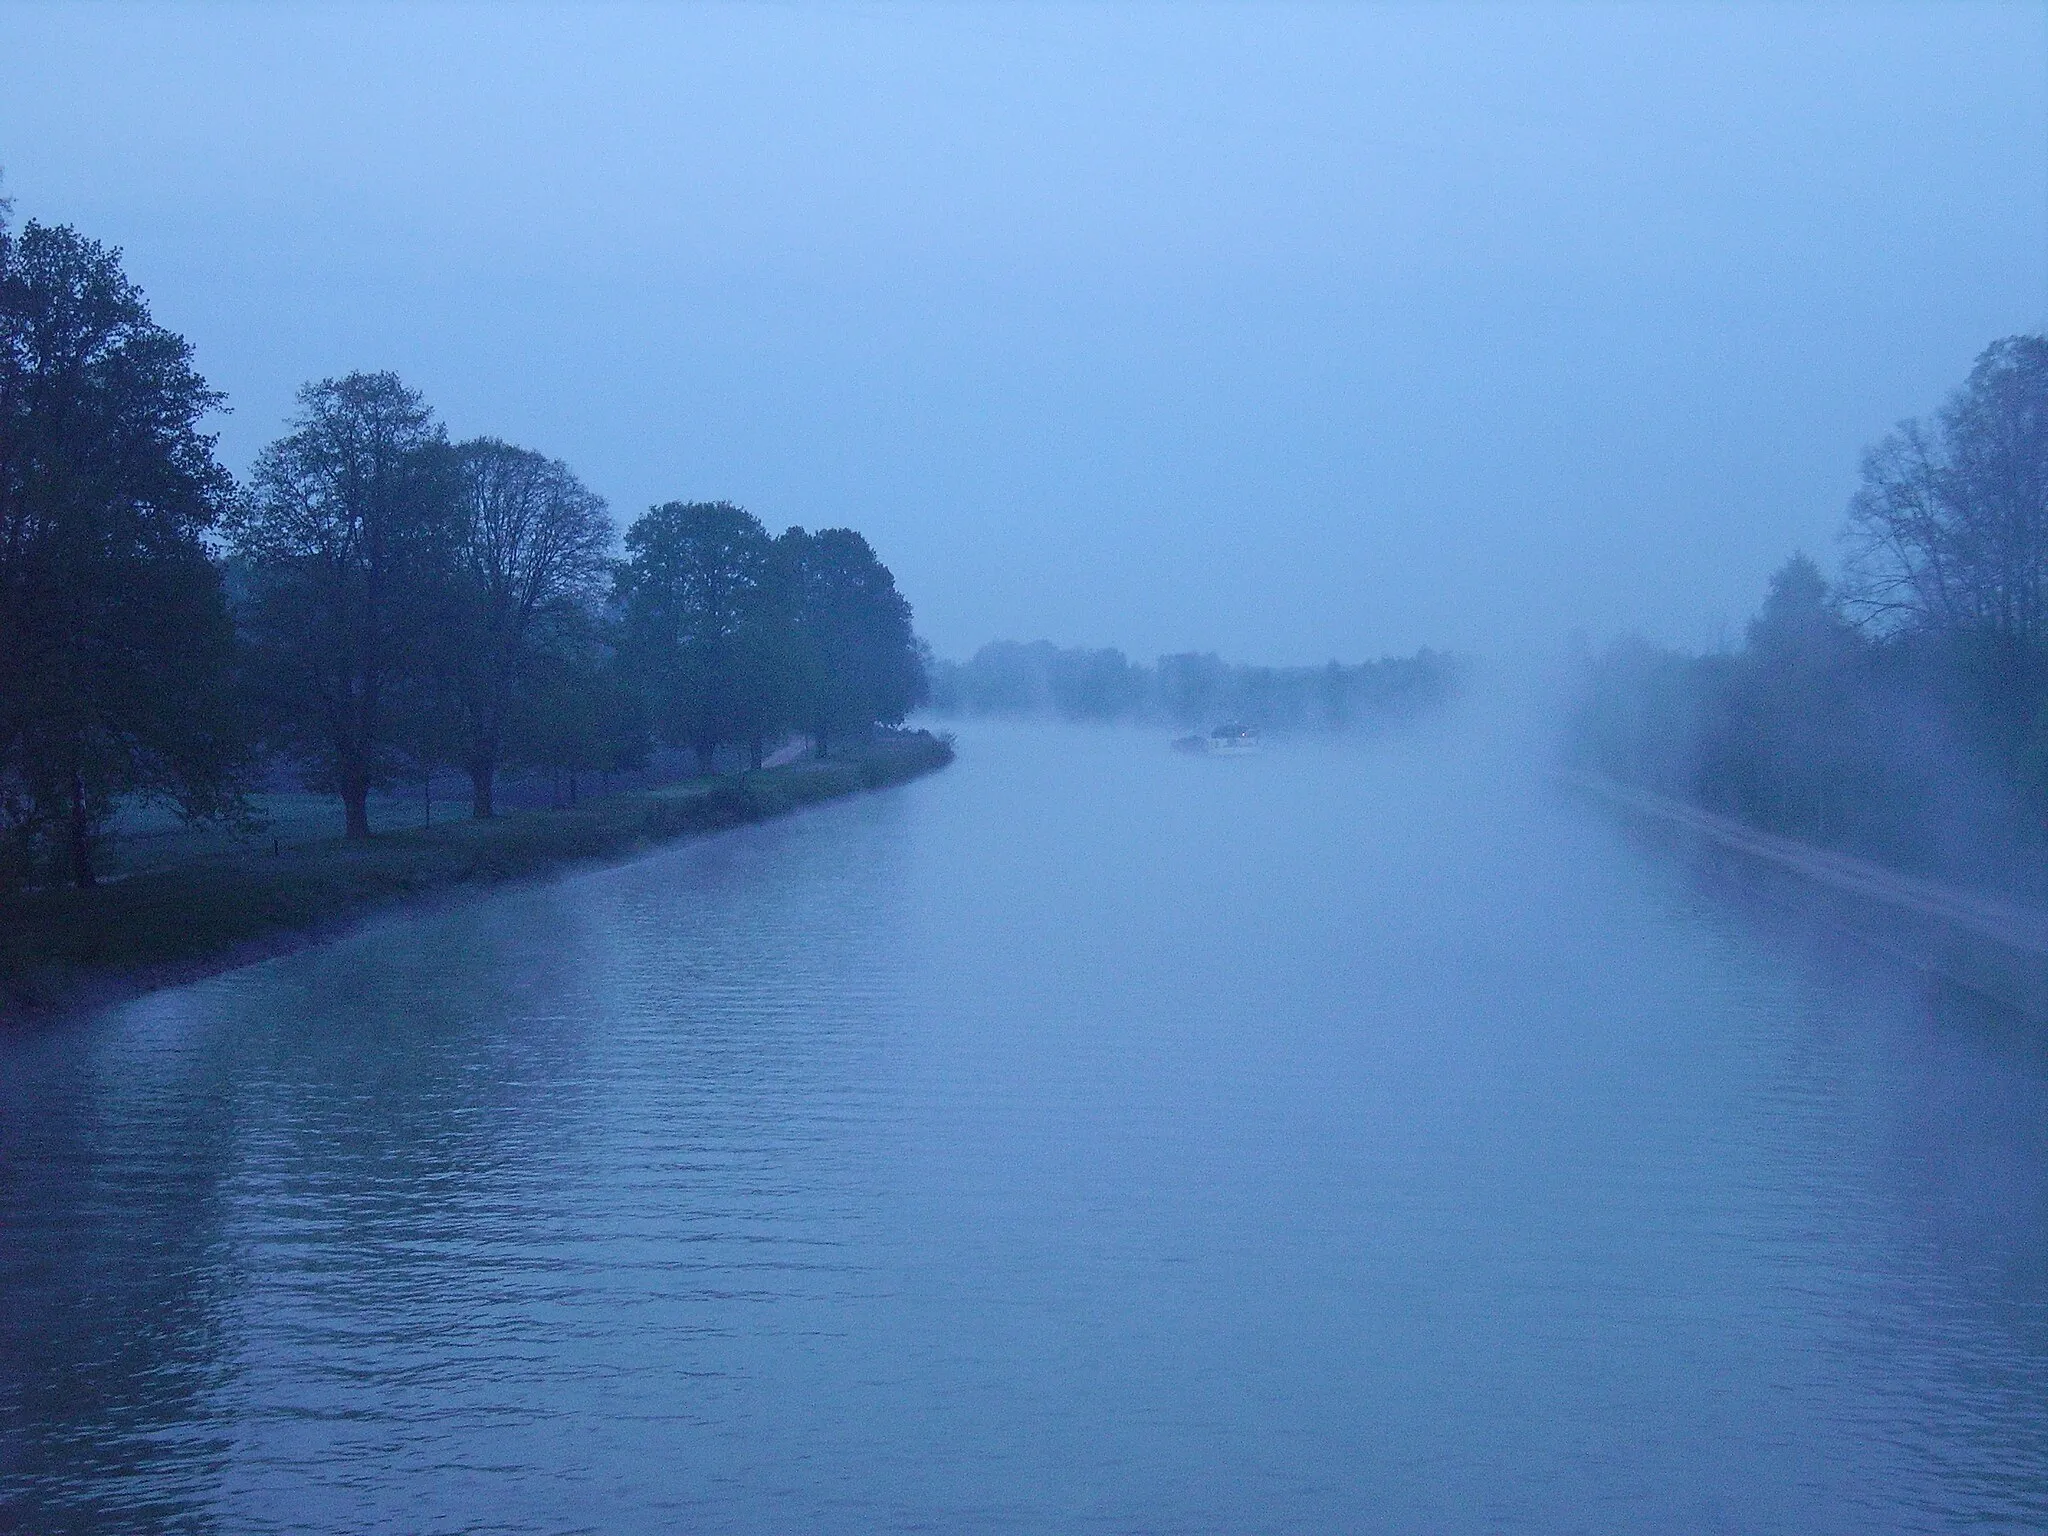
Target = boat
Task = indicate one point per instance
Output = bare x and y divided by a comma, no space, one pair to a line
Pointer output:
1231,740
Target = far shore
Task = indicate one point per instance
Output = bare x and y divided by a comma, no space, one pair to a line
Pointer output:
62,949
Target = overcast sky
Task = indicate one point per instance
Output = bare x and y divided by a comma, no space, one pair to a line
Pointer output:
1292,332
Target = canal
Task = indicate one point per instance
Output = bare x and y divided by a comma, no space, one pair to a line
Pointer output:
1363,1136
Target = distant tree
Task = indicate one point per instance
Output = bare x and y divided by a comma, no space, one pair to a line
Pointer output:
945,685
349,536
1799,625
1949,532
1336,693
1189,689
1192,686
1094,685
1006,677
530,565
559,726
1640,713
116,650
576,711
1781,731
1261,696
690,595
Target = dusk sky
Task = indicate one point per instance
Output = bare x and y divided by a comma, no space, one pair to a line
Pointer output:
1286,331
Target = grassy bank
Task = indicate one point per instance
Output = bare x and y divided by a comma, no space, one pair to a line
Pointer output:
63,947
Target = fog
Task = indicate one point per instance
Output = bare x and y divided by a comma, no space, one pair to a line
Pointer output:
1206,1046
1287,332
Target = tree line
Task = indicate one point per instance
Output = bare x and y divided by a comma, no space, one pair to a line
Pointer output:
1899,711
1190,689
375,601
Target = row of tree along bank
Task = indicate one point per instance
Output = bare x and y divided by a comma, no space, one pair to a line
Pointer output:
375,602
1190,690
1899,712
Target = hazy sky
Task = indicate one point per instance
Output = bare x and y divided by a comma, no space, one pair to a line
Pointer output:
1287,331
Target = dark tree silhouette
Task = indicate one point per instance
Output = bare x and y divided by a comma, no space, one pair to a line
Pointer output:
530,566
1949,532
1782,733
577,713
857,660
348,536
691,596
115,643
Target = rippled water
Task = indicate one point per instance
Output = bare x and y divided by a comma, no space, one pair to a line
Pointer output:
1351,1138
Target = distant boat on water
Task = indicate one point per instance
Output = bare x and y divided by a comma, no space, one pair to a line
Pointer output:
1230,740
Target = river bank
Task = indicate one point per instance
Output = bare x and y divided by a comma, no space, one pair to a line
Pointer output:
65,948
1995,948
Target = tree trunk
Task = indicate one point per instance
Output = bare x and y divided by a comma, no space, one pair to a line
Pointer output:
355,805
821,741
754,753
704,751
80,831
572,789
482,785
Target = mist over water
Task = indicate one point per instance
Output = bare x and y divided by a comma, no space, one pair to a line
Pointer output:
1361,1136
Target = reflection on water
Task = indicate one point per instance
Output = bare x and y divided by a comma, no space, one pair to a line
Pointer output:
1087,1138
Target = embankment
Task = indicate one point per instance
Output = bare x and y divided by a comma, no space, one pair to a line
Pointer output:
1993,948
65,948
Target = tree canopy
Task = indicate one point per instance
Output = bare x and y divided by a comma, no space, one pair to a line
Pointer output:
1949,531
855,656
346,535
691,588
115,641
532,547
735,635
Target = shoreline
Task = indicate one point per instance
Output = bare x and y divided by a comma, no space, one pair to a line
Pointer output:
1996,949
64,950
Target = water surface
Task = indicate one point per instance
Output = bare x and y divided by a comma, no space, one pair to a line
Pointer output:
1360,1137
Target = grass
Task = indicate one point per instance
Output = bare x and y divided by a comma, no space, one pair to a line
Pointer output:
171,922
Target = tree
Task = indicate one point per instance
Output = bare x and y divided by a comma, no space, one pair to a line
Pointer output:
1949,532
859,660
1192,686
1094,685
349,538
1336,692
116,650
691,596
1006,677
531,560
1782,731
576,712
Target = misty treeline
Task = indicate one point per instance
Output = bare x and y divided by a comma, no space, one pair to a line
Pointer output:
375,602
1901,710
1015,678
